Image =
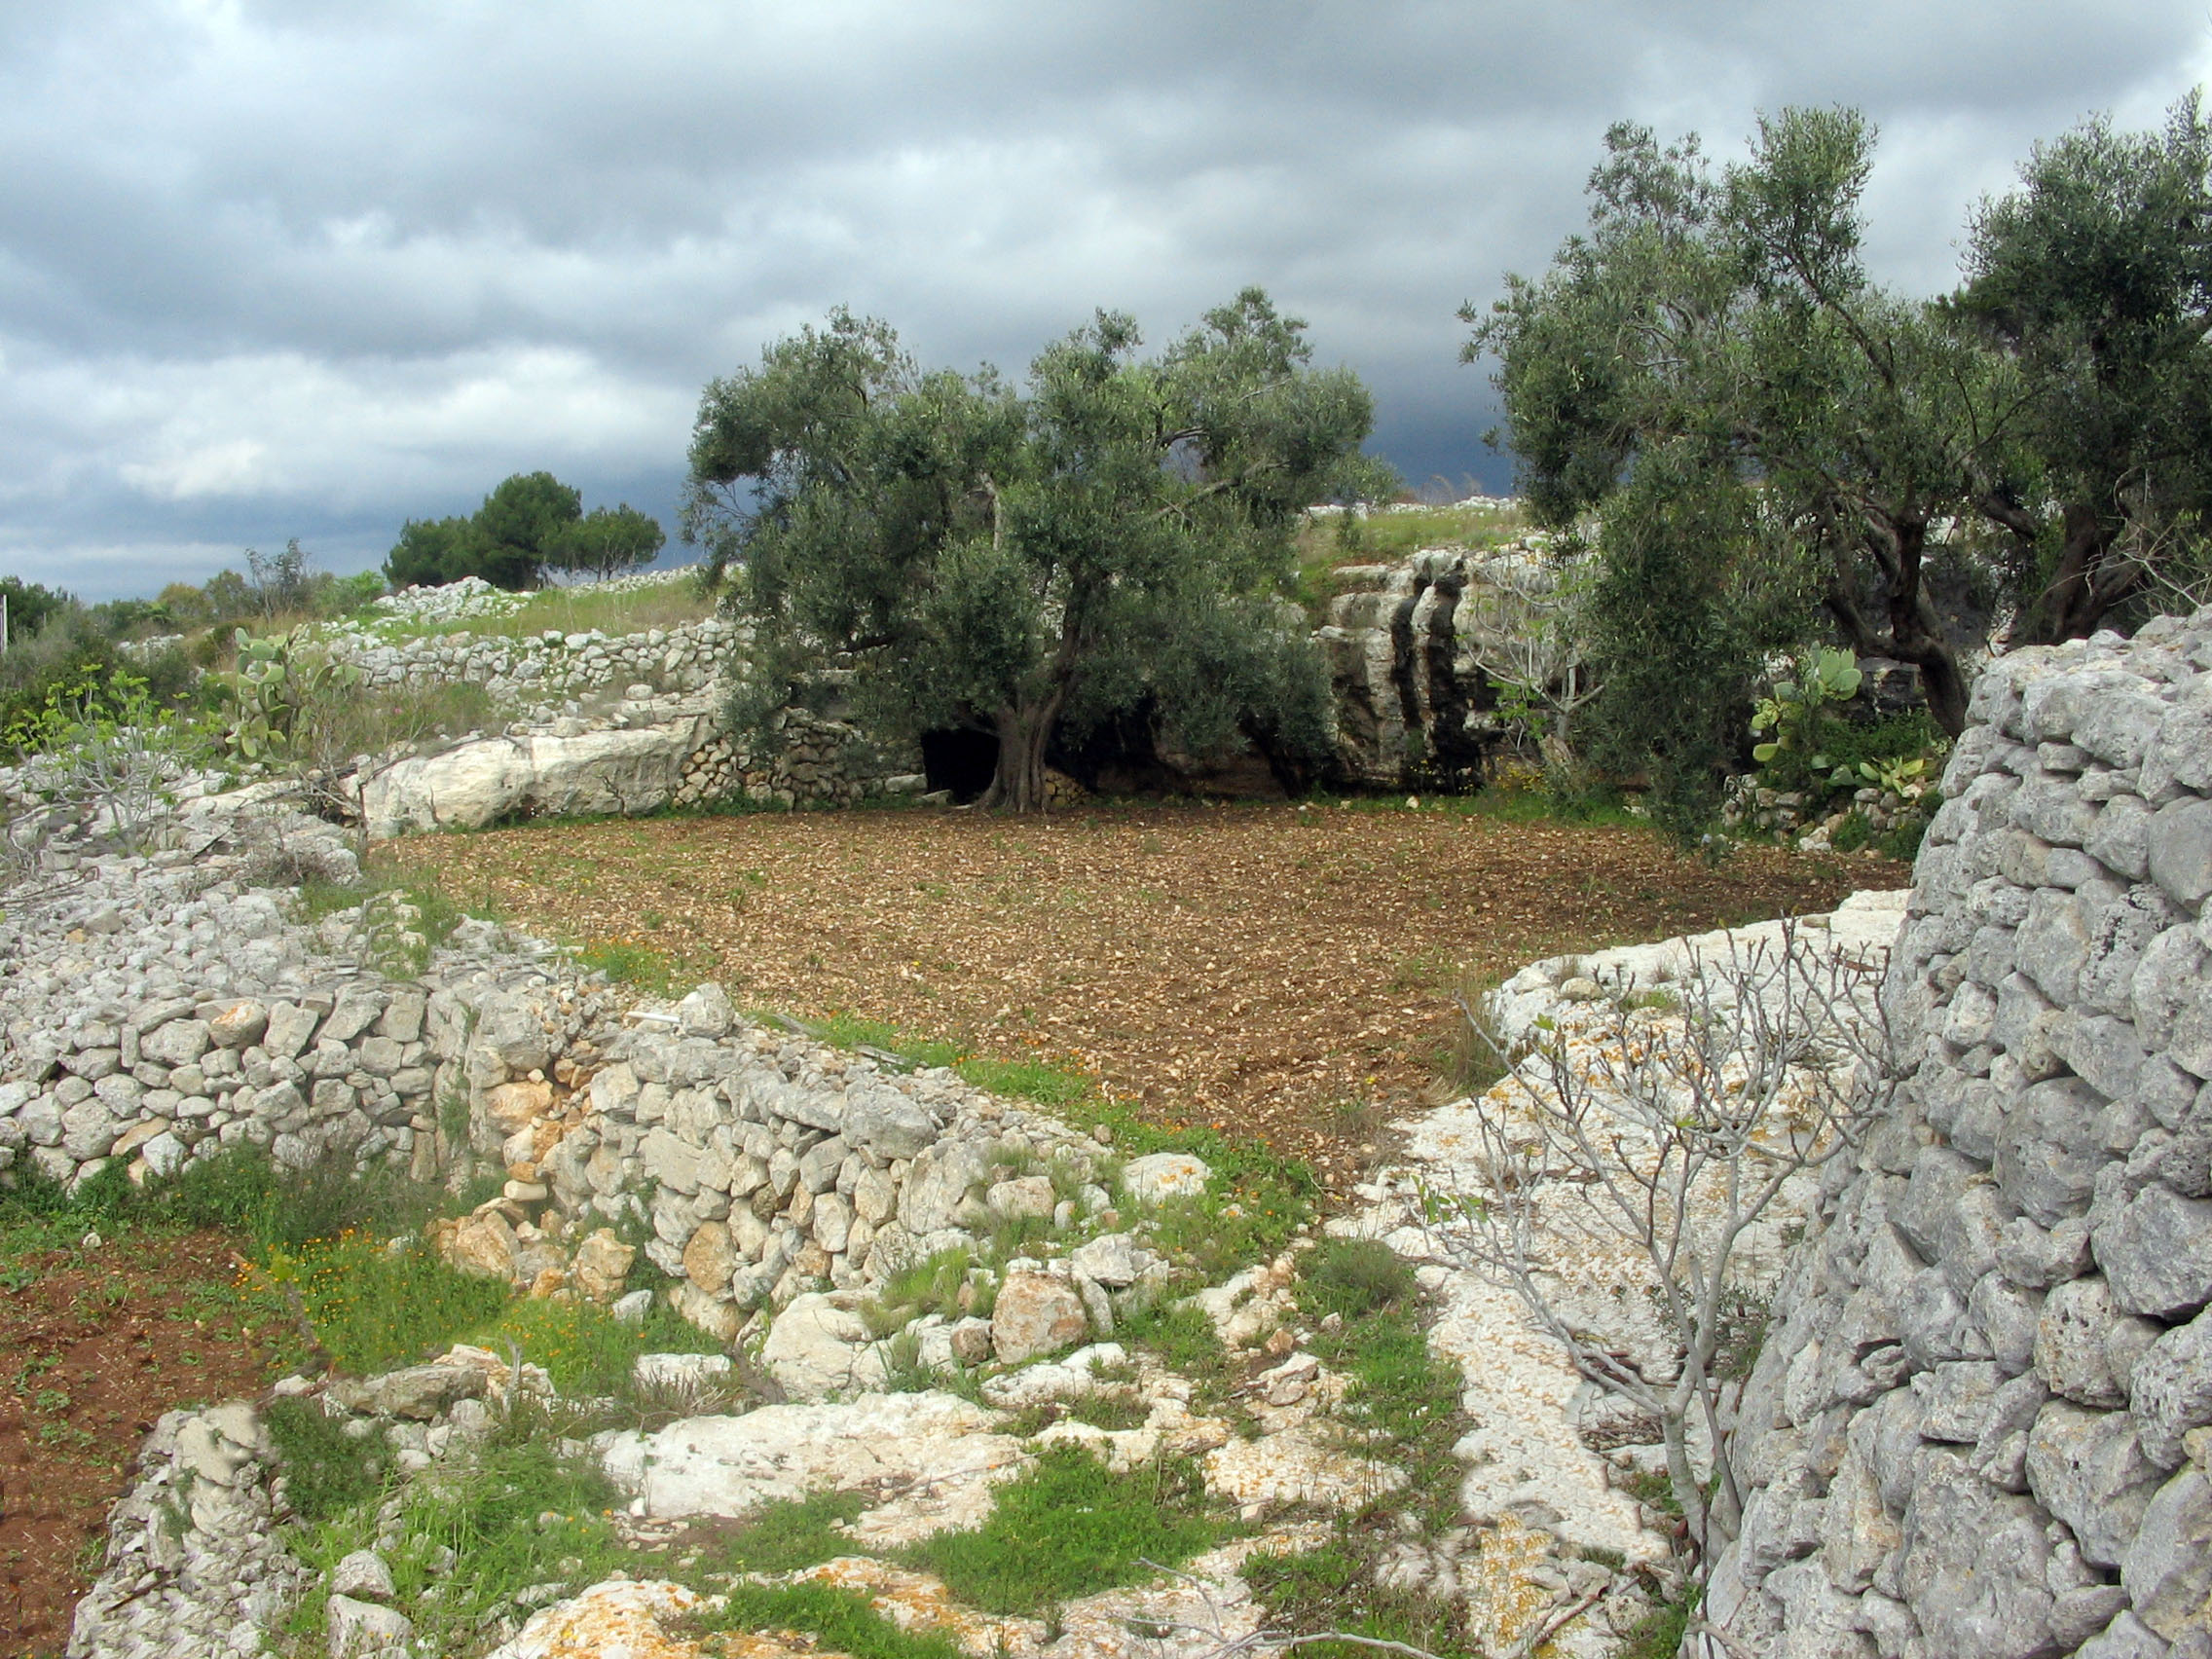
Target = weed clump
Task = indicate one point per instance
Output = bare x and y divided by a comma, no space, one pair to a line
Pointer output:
786,1534
843,1622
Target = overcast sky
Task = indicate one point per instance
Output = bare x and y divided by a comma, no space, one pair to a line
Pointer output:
312,269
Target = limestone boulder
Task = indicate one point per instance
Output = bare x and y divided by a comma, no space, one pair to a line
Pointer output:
360,1629
1035,1313
620,770
1162,1176
2172,1389
943,1447
602,1265
817,1350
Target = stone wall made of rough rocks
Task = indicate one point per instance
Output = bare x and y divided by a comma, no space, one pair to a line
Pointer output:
1981,1424
757,1167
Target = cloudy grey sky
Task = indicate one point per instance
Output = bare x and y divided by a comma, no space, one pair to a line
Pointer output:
313,267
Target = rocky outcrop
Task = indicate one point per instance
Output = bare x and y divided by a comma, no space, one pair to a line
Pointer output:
1979,1425
1416,651
647,755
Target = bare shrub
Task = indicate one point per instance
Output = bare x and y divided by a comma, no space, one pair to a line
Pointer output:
1665,1135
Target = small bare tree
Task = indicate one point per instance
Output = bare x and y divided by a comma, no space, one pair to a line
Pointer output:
1667,1125
1523,629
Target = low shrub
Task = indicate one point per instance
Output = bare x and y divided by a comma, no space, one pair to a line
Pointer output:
1355,1278
326,1470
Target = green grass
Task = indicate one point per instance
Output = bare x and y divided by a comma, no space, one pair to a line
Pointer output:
513,1512
660,605
1071,1528
392,905
1354,1278
374,1306
1181,1335
786,1534
630,962
1401,1399
1659,1634
585,1348
843,1622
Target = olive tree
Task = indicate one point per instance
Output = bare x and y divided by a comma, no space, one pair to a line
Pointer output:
2095,279
1114,533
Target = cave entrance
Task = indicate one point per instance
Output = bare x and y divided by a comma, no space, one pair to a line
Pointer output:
961,759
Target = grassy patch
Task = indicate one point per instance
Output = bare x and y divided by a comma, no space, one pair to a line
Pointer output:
401,919
1401,1399
633,962
585,1348
375,1305
1071,1528
1355,1278
1659,1634
786,1534
843,1622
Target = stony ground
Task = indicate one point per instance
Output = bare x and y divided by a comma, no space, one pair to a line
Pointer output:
1272,969
96,1342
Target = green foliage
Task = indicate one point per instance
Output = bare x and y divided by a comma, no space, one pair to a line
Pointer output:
1182,1335
1071,1528
1792,711
2093,281
844,1621
529,524
606,543
1659,1634
1692,595
786,1534
1902,844
30,607
513,1511
585,1348
276,690
326,1470
107,746
1854,832
1332,1587
1111,538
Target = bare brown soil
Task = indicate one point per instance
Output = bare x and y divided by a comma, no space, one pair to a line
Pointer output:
94,1346
1276,971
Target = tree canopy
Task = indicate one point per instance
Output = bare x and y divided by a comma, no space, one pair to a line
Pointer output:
1715,333
1113,534
531,524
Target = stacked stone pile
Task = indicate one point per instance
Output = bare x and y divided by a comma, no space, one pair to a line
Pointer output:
1982,1422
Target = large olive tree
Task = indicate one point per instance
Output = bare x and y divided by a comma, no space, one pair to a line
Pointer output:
1116,532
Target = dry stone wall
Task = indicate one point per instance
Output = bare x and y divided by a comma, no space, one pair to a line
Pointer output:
1981,1424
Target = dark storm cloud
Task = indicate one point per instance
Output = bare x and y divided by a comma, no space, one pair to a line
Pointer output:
271,269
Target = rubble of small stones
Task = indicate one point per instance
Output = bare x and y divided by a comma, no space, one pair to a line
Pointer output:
1981,1424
